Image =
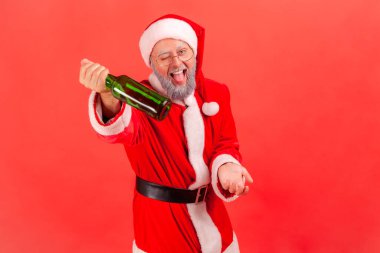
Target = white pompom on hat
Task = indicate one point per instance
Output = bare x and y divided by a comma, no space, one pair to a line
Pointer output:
165,29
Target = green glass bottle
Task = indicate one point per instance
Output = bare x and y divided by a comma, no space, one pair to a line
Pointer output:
139,96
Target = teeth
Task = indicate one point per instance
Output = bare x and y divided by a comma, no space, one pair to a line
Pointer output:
178,72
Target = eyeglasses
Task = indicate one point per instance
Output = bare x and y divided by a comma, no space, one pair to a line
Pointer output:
166,59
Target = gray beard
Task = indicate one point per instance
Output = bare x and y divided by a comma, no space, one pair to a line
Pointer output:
178,92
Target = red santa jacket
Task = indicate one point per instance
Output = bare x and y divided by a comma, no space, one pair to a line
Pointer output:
184,151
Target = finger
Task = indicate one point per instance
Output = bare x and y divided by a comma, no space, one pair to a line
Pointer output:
245,191
225,185
101,82
95,79
83,71
232,188
103,75
90,72
84,61
247,175
239,189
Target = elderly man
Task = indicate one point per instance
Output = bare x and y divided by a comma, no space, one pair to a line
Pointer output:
185,165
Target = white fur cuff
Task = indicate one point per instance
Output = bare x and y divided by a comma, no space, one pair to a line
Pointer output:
95,113
219,161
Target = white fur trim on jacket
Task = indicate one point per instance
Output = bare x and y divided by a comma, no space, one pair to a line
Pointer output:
195,135
95,113
164,29
135,249
233,248
219,161
208,234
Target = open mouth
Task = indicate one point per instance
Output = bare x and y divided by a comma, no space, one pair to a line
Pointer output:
179,76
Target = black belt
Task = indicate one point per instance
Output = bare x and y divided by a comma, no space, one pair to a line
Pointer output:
169,194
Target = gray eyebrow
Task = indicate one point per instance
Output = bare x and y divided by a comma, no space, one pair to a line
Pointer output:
180,46
162,52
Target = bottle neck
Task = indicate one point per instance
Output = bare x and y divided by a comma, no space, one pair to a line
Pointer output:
110,79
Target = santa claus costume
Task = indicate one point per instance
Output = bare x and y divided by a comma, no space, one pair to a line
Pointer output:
183,151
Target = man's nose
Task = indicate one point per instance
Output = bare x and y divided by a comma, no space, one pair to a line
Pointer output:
176,61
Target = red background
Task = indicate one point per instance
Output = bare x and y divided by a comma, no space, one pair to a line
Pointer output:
304,78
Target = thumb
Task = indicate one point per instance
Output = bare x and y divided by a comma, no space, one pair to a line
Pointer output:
247,175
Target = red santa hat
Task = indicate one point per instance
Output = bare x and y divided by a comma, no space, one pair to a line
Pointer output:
163,29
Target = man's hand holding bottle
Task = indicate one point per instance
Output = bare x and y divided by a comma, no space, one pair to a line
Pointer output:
92,76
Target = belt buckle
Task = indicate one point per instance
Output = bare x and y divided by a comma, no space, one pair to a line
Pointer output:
197,200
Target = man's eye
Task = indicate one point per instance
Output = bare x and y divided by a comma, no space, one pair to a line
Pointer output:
182,52
163,58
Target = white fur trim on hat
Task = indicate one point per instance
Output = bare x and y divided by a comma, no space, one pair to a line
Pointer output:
165,29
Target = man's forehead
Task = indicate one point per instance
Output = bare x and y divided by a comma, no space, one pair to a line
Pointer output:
167,45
